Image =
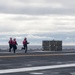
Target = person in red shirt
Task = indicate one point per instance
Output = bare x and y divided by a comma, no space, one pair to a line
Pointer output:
25,42
14,45
10,44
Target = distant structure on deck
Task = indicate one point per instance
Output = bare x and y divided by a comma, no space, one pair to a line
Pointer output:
52,45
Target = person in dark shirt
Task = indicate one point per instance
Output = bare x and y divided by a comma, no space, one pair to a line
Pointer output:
25,42
10,44
14,45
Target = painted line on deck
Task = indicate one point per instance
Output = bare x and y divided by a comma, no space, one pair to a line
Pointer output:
24,55
36,68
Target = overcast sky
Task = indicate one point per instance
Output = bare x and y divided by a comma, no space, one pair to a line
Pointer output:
37,20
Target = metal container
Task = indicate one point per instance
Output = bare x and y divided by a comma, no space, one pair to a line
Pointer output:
53,45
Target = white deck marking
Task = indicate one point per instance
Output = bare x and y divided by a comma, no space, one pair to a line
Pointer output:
4,71
35,73
73,73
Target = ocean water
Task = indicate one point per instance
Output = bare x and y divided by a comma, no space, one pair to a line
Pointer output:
3,47
68,47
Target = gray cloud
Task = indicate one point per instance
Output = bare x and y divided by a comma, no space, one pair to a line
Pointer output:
24,18
37,20
20,7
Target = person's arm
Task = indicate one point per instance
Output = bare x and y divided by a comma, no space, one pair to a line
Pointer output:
16,43
27,42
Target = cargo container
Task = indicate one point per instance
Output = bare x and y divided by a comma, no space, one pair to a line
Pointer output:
52,45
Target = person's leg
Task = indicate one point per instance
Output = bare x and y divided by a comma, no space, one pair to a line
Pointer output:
10,47
25,49
14,48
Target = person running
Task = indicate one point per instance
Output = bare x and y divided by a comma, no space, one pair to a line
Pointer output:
25,42
10,44
14,45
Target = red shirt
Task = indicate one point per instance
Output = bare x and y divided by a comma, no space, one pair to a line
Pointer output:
24,42
14,43
10,42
